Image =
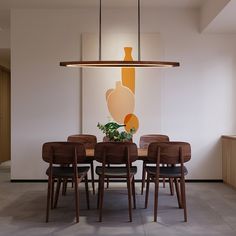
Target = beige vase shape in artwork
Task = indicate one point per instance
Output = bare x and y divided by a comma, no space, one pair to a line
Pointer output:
128,73
120,102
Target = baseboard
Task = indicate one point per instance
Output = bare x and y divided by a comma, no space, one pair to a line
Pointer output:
117,180
29,180
204,180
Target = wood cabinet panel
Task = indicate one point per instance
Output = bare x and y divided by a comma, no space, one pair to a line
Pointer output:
4,114
229,160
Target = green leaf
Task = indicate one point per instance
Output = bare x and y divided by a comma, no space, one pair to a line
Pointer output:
111,131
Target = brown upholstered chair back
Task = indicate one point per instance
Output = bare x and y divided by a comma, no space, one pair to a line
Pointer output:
63,152
170,152
116,152
88,140
145,140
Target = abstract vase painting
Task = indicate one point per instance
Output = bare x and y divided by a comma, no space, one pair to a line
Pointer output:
121,99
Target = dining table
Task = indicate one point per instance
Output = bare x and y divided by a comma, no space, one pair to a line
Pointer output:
142,154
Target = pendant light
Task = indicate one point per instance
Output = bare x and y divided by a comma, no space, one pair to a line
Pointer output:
102,63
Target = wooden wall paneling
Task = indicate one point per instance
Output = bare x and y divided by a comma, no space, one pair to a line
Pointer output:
4,114
229,160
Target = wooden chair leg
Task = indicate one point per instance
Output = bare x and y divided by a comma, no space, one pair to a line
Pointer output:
87,190
101,198
52,194
76,199
164,182
92,177
57,192
183,196
133,192
178,192
156,198
99,189
49,194
129,198
147,190
108,165
171,186
64,186
143,177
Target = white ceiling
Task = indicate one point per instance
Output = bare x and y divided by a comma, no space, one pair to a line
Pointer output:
225,21
6,5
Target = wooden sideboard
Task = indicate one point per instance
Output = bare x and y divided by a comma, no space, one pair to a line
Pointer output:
229,160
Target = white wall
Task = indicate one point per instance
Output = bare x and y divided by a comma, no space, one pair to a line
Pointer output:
5,48
5,59
5,38
45,96
197,98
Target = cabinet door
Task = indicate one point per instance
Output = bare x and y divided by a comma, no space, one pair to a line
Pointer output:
232,164
229,160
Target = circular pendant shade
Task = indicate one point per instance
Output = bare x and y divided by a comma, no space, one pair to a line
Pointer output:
160,64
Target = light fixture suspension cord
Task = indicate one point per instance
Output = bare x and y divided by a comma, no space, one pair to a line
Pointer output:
100,29
139,53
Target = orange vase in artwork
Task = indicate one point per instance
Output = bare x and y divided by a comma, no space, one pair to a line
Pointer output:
128,73
121,99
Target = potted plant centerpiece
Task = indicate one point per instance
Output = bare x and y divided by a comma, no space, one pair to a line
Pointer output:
111,131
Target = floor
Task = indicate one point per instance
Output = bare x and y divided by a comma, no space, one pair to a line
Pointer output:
211,211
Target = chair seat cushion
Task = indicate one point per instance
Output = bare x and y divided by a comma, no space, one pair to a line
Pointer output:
174,171
58,171
114,171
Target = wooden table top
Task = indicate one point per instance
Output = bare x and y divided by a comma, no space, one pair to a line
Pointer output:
142,153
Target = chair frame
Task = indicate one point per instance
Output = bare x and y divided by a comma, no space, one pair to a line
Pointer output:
51,204
80,137
154,137
130,182
106,139
181,195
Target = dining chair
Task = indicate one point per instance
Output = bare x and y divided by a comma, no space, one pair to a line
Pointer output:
174,155
89,142
63,158
118,154
106,139
144,141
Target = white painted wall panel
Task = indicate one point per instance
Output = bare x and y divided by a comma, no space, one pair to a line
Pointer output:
197,99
